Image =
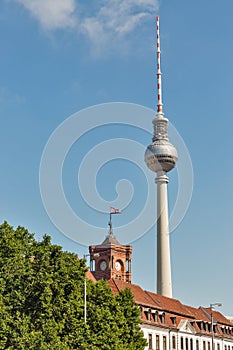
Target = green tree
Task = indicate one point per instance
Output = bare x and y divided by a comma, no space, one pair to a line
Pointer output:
42,301
113,321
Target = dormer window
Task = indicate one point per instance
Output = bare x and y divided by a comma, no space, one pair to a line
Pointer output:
173,319
154,315
200,325
147,313
162,317
148,316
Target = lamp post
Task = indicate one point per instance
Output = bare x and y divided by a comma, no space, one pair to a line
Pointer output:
85,288
212,321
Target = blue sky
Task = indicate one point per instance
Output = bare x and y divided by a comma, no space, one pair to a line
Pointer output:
59,57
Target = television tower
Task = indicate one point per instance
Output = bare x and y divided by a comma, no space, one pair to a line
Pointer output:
161,157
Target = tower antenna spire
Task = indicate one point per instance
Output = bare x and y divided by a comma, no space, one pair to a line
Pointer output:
159,74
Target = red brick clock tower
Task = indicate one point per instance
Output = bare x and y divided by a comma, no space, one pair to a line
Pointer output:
111,259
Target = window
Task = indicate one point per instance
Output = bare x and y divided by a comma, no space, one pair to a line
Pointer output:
204,345
197,344
173,342
225,347
162,317
164,343
157,342
182,343
128,265
191,344
92,265
150,341
208,345
148,315
186,343
156,316
173,319
218,346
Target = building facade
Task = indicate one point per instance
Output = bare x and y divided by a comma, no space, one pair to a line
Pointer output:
167,324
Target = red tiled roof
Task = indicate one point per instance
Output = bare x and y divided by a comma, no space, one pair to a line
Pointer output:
90,276
140,296
173,310
197,313
170,305
218,317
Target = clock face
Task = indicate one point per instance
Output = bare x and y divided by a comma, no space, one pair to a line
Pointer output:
103,265
118,266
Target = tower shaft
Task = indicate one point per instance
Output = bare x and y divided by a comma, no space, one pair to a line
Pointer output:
164,281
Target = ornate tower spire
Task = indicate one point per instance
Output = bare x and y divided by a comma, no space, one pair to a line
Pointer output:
161,157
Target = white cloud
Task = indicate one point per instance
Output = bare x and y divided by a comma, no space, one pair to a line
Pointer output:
120,16
101,21
114,19
52,14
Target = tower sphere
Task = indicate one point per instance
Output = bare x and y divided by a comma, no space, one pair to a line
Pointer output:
161,155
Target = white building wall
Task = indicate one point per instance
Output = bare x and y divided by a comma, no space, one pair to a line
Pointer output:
189,340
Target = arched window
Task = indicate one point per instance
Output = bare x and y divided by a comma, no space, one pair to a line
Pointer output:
173,342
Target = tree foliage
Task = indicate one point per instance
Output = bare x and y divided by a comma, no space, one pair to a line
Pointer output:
42,300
